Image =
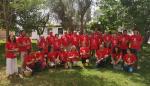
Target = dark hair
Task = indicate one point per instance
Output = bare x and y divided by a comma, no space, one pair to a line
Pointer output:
9,40
124,30
114,51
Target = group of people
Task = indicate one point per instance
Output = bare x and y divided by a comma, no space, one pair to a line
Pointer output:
72,49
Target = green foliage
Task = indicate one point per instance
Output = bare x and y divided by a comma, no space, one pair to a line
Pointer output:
29,15
126,13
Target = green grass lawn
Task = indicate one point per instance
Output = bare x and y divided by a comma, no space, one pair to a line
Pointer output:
78,77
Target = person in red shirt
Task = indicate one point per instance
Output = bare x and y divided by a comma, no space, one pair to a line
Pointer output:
84,39
42,45
135,42
130,60
73,57
57,43
53,58
29,63
123,42
116,57
101,55
10,54
75,39
22,44
50,40
63,57
94,42
40,57
85,54
107,39
29,44
114,41
64,39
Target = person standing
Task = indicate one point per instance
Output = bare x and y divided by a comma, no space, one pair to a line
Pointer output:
22,44
11,60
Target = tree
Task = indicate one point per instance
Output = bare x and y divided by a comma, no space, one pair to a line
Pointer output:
139,11
70,12
29,15
83,6
7,16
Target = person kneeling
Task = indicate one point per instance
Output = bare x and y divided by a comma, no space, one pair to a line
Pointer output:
130,61
29,63
85,54
73,58
53,58
116,58
101,54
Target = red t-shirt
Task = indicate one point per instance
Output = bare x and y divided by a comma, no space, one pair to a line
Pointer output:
29,61
39,56
107,38
22,41
101,53
94,42
63,56
50,39
84,52
57,44
116,56
52,56
64,40
136,42
75,40
114,42
73,56
28,41
124,39
84,39
10,46
130,58
42,43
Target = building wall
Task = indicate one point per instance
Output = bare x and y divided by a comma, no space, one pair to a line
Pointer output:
2,34
35,35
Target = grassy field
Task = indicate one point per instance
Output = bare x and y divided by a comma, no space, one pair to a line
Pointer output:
78,77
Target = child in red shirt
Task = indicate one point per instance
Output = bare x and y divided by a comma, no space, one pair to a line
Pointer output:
129,61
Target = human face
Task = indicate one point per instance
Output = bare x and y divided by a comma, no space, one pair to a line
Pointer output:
23,33
12,38
128,51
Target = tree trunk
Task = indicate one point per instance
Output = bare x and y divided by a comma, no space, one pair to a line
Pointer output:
82,25
146,37
6,25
